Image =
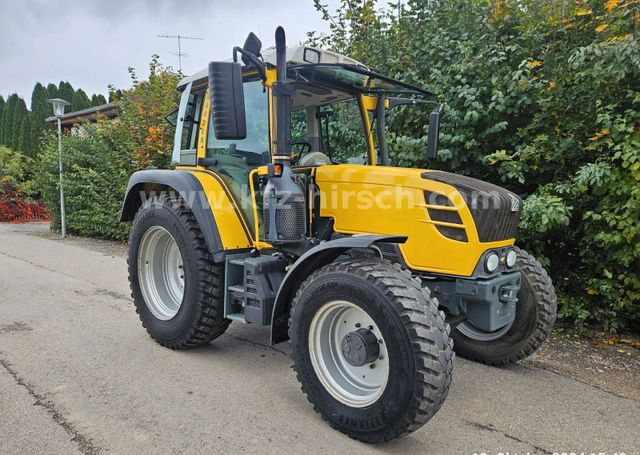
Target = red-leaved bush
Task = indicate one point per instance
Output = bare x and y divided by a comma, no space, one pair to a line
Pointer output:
15,208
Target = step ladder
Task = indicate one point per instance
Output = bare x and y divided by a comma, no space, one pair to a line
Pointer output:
234,300
251,286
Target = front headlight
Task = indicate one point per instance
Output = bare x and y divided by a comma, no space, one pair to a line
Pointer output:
511,259
491,262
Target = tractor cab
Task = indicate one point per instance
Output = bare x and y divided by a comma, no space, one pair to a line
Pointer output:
334,115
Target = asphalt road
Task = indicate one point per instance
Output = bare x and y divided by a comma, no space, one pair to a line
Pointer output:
79,374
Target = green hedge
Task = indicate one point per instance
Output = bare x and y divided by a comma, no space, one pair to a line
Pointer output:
542,98
97,165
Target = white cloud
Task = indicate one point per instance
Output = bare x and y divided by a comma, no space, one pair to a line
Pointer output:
92,43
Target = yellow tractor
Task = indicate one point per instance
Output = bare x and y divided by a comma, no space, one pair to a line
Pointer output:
284,211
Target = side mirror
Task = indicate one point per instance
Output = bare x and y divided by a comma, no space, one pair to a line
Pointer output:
250,55
253,46
227,100
434,132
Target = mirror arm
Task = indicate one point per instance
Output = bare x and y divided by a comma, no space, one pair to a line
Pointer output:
254,59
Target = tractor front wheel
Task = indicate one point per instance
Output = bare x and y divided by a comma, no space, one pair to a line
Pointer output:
370,349
535,315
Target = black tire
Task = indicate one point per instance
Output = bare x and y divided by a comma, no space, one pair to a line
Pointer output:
535,315
200,316
416,337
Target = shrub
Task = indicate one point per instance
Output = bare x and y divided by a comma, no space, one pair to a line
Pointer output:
16,188
97,164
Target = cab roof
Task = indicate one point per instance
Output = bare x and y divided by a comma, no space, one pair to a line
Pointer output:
298,55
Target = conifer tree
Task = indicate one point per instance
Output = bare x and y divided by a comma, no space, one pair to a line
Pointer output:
98,100
52,91
7,119
25,143
65,91
40,110
19,113
79,101
2,103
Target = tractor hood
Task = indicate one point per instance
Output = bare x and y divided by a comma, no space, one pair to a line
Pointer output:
449,220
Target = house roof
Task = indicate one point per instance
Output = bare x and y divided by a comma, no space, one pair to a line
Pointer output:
71,118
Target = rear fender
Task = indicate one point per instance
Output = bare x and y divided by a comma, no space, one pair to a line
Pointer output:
316,257
142,184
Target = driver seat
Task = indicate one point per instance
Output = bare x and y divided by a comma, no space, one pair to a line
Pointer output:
314,159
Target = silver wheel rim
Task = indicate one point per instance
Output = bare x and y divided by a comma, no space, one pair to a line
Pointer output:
160,273
355,386
481,335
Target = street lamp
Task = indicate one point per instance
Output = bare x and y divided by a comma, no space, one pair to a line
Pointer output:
58,111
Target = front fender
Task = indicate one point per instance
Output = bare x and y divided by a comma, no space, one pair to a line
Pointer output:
313,259
182,183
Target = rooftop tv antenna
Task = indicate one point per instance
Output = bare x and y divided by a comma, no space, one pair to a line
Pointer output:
180,54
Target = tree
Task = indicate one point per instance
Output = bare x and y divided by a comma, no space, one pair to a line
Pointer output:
7,119
79,101
98,100
143,110
114,94
40,110
2,103
25,143
52,91
65,91
13,113
19,113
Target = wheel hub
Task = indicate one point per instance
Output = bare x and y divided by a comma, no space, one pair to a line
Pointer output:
161,273
360,347
348,353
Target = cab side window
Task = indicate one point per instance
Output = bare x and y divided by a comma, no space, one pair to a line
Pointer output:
343,132
190,127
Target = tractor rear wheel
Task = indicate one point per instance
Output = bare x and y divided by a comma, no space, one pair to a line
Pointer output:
370,349
535,315
176,287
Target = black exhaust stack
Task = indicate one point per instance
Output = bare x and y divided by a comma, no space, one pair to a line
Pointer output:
284,92
284,211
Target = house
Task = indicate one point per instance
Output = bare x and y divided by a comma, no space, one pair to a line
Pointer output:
71,120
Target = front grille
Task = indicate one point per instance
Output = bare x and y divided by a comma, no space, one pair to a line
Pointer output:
495,211
445,216
436,200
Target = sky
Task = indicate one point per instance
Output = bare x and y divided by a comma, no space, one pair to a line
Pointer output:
91,43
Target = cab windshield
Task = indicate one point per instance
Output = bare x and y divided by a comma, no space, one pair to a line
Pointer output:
330,126
355,80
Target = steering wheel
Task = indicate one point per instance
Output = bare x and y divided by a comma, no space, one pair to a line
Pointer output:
305,147
248,156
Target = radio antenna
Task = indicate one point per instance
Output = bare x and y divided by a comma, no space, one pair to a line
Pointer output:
180,54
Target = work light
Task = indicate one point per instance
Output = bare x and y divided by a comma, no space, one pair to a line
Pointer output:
491,262
512,256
